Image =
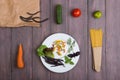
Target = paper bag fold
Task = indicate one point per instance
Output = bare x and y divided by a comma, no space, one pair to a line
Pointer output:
11,10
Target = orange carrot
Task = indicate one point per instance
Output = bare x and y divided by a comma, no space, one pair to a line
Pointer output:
20,61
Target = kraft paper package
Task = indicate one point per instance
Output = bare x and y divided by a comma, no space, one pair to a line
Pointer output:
17,13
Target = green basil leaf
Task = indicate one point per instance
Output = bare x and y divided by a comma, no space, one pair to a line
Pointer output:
70,49
69,41
73,43
72,63
68,60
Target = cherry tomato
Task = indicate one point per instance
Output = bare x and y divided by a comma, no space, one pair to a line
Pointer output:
76,12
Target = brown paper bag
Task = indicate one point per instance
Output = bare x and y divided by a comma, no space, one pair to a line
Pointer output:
16,13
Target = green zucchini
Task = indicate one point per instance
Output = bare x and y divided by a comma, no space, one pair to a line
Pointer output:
58,14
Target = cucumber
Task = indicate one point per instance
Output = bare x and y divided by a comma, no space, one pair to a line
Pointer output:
58,14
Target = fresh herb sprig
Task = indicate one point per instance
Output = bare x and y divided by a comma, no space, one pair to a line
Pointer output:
71,45
68,60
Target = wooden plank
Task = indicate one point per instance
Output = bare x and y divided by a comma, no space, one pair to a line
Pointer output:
59,28
78,29
22,35
5,54
94,5
62,28
113,39
39,34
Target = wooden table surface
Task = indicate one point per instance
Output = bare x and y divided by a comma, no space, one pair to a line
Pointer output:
31,38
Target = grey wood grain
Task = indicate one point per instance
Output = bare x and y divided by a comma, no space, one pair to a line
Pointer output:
113,39
96,23
78,29
22,35
31,38
5,54
94,5
39,34
59,28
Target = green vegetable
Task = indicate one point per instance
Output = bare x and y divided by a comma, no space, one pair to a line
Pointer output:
72,63
40,50
71,45
49,52
69,41
43,50
68,60
70,49
97,14
58,14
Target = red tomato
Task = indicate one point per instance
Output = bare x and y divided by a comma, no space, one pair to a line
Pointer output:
76,12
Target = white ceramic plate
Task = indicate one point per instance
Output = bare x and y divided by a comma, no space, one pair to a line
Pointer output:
49,42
